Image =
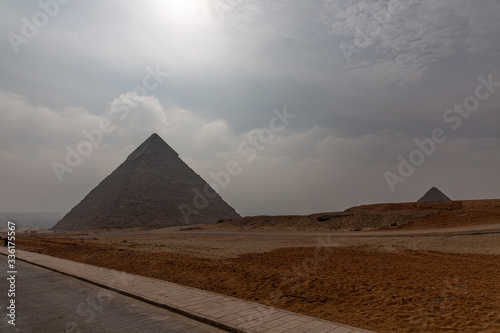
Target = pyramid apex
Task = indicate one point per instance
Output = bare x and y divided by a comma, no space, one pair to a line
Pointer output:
434,194
153,145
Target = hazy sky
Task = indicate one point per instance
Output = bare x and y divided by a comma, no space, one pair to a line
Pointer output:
358,82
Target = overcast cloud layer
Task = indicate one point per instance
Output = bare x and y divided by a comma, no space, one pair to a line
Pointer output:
360,81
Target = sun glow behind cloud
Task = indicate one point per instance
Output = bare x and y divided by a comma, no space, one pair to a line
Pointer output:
185,14
230,62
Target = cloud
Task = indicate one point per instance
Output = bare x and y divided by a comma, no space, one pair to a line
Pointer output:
295,172
231,63
407,37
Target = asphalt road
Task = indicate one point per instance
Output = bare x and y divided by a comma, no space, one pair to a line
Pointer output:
51,302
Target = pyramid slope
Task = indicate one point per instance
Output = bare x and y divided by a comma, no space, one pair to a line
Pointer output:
434,195
146,191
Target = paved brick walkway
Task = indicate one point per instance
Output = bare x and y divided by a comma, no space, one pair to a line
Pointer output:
225,312
50,302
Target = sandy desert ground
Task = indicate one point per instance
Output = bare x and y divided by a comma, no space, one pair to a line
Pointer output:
406,268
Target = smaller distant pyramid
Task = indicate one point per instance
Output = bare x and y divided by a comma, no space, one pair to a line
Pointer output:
433,195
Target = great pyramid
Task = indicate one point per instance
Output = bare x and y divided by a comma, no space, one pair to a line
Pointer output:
153,188
434,195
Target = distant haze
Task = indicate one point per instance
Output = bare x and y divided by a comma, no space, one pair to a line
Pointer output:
360,81
30,220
